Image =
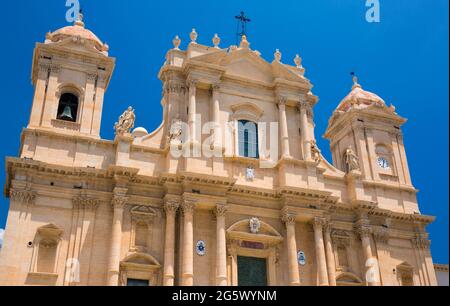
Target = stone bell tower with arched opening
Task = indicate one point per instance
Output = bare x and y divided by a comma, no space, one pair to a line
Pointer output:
71,72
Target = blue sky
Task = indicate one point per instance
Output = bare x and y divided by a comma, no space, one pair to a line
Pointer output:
404,59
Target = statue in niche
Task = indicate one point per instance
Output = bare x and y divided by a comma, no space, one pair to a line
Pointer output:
316,154
126,122
351,160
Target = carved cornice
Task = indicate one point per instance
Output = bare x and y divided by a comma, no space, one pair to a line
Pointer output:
23,196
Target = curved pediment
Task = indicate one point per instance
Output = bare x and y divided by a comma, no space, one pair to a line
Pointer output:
141,259
260,232
348,279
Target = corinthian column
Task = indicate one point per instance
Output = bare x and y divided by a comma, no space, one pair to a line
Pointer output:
169,246
192,110
221,248
304,128
331,264
187,268
284,127
318,224
216,114
294,276
118,204
372,273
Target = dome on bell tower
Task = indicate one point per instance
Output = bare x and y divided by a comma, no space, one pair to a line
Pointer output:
359,98
77,31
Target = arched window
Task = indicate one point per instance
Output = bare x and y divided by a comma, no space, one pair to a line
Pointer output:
248,139
68,107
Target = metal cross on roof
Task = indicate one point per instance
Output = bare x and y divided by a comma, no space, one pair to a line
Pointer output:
242,21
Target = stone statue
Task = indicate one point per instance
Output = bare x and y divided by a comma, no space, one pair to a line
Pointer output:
351,160
176,131
126,122
315,151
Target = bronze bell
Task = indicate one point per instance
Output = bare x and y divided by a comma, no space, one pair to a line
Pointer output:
67,114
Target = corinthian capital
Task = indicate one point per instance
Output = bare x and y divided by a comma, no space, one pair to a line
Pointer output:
188,206
318,223
119,201
288,217
85,202
282,101
171,206
381,235
420,242
221,210
363,231
24,196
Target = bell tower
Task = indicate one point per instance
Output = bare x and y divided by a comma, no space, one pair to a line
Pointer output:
365,125
71,72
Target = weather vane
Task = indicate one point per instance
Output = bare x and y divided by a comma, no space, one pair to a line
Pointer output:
242,21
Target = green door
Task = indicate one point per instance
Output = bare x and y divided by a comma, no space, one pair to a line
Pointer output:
252,271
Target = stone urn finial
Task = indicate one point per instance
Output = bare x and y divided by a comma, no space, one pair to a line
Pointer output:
298,61
216,41
176,43
277,55
193,36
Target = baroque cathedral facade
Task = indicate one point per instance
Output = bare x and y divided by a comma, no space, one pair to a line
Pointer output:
91,211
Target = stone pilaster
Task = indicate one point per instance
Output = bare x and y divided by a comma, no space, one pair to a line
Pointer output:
118,203
283,127
170,207
318,224
306,141
289,219
329,250
221,248
192,111
187,267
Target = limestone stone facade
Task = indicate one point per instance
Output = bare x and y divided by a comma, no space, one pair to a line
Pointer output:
90,211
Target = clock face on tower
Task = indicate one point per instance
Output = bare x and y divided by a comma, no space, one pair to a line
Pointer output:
383,163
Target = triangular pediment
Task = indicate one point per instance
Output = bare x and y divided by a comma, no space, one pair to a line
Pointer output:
247,64
249,68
